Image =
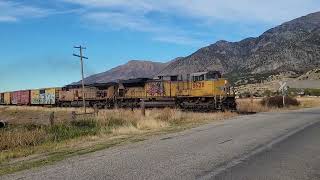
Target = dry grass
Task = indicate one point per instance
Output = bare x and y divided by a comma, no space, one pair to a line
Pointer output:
21,137
34,115
249,105
126,121
30,136
308,102
29,132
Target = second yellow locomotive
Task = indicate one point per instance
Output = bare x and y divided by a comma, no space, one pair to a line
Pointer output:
200,91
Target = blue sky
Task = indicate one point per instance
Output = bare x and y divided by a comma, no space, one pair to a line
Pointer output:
36,36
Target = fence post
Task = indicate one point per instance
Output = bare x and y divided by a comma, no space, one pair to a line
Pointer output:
73,115
96,110
51,118
251,100
143,108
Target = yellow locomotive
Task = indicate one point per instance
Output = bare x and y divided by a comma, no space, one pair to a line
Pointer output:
200,91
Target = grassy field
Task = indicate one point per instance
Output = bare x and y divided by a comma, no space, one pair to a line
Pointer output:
30,140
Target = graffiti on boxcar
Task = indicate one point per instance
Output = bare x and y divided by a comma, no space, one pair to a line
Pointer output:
50,99
47,98
155,89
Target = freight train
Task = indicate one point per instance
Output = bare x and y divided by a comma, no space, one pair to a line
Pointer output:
199,91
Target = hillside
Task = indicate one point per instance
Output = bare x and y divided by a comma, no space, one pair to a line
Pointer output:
292,46
132,69
308,80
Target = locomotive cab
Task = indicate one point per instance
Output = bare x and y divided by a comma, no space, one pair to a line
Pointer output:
206,90
206,76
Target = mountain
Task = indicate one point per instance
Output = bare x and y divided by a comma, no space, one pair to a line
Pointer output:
292,46
132,69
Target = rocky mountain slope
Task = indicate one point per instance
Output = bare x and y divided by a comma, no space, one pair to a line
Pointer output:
292,46
132,69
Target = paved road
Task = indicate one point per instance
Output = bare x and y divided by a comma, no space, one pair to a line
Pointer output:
297,157
259,146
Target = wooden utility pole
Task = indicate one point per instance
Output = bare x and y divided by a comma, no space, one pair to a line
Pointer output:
81,48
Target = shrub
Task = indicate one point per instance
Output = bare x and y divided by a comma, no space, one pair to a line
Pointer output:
84,123
267,93
75,129
277,101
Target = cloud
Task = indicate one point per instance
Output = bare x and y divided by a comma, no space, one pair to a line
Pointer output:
159,17
6,18
176,39
271,11
148,15
12,11
118,20
141,23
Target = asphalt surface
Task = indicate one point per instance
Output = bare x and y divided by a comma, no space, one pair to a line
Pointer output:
263,146
297,157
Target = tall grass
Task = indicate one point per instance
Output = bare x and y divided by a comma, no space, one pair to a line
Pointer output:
249,105
309,101
33,135
106,122
21,137
277,101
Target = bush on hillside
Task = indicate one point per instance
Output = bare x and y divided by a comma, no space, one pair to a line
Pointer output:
312,92
277,101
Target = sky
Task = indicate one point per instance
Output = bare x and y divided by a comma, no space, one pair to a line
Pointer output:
37,37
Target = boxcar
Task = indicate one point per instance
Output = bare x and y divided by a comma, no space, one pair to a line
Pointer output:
35,97
20,97
46,96
7,98
101,95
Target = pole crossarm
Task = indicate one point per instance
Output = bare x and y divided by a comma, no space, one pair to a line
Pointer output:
80,56
79,47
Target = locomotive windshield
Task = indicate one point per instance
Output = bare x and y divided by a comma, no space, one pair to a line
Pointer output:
204,76
199,78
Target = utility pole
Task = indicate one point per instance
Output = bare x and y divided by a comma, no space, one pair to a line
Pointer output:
81,48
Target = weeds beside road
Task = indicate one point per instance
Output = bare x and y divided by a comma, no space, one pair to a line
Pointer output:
30,141
255,105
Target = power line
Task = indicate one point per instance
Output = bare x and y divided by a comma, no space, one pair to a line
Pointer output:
81,48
